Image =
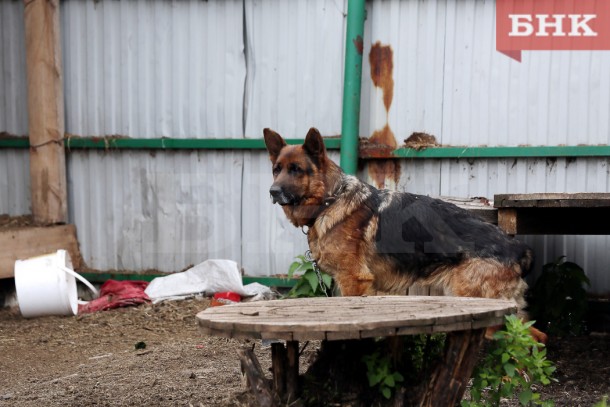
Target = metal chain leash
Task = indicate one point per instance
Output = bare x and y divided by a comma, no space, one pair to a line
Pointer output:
314,263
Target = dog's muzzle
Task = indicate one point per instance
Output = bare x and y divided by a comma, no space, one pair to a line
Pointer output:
279,196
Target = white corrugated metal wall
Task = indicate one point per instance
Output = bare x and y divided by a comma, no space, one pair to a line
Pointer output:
192,69
294,81
450,82
228,68
14,164
148,69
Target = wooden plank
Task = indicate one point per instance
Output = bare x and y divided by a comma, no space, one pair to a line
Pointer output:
378,332
340,318
23,243
278,367
507,220
487,323
456,326
410,330
45,111
304,322
480,207
255,379
450,378
292,371
309,336
286,336
343,335
559,200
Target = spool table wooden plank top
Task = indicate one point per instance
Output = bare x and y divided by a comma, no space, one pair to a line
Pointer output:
346,318
337,318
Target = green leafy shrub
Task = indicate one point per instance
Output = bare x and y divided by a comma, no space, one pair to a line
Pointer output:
559,298
309,285
402,361
380,373
515,364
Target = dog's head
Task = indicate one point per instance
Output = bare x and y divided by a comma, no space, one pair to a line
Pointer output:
297,170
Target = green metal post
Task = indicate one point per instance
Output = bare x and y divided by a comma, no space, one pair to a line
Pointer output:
352,82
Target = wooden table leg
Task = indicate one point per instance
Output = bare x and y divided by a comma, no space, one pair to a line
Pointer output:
448,382
255,378
278,367
292,371
285,368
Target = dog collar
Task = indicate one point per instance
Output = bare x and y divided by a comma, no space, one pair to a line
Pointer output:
329,201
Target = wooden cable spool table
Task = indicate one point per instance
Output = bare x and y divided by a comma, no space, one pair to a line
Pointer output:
344,318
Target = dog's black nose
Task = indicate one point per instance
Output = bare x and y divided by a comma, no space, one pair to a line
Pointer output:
275,192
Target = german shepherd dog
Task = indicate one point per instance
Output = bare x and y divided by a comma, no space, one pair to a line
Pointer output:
376,242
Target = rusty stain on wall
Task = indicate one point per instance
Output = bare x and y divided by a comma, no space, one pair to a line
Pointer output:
382,65
384,137
385,173
382,170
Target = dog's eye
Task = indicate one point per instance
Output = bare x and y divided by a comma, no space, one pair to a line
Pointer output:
277,169
294,169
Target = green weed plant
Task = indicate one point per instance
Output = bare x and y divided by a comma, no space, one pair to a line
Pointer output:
514,367
309,285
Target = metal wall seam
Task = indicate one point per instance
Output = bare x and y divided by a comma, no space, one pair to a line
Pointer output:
15,197
14,164
295,66
148,69
13,80
137,211
414,32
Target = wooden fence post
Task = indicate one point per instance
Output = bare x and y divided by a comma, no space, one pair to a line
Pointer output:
45,111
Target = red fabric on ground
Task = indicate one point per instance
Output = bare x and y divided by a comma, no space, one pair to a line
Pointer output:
115,294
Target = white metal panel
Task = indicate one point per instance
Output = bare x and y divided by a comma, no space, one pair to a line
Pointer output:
15,182
449,81
13,80
295,66
486,177
158,68
415,31
550,98
14,163
137,211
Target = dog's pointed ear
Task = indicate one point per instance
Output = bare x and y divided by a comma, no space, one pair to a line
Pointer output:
314,145
274,143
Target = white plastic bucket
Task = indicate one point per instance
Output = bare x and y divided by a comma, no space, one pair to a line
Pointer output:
46,285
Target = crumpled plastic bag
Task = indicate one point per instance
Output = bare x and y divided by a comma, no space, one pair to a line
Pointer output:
115,294
207,278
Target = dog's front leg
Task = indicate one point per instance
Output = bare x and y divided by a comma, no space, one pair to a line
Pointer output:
353,283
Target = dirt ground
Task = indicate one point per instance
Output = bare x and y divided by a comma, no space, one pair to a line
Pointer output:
92,360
